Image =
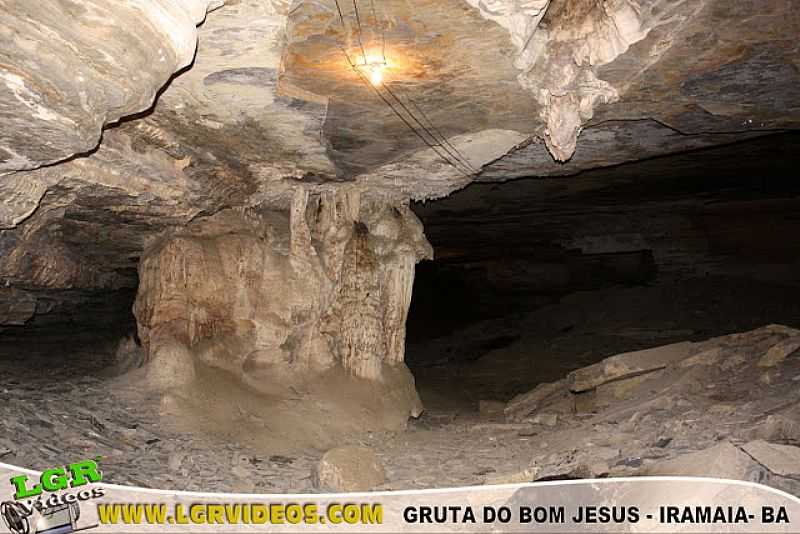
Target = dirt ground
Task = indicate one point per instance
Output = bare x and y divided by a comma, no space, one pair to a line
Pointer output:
58,404
502,357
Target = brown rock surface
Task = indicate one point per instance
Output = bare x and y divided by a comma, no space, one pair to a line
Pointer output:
721,461
779,352
628,365
269,101
260,189
783,460
280,301
349,469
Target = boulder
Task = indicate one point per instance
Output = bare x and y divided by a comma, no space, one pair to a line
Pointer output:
545,419
778,427
783,460
625,388
711,356
349,469
517,477
723,460
521,406
628,365
16,306
779,352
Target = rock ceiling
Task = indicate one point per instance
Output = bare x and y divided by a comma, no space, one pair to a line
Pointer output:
122,120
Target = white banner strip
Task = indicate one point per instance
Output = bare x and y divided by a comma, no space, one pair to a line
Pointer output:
643,504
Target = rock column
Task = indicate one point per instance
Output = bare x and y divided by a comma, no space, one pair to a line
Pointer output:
285,299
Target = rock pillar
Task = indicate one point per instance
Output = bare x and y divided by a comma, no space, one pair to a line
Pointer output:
286,301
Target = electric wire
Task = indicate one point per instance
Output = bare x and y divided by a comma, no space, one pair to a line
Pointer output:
410,126
438,132
455,155
383,29
447,146
360,32
341,17
436,140
344,27
449,154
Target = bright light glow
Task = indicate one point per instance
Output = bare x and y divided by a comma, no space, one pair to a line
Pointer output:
374,68
376,75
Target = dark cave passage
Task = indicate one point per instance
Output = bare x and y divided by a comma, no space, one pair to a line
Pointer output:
77,332
535,278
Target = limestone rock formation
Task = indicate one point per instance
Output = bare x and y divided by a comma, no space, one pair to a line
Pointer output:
81,66
349,469
723,461
71,69
283,300
520,18
600,386
783,460
558,60
628,365
684,409
124,142
16,306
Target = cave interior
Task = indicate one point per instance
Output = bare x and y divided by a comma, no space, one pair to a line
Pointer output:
521,241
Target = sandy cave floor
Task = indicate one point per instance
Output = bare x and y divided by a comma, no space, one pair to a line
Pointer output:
60,409
71,412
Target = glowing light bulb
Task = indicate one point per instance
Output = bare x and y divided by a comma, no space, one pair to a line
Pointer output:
376,74
373,69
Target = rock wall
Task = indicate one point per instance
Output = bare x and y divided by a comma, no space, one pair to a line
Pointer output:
70,68
16,306
284,300
580,247
560,47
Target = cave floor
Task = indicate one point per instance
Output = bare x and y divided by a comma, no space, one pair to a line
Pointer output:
498,358
58,410
55,410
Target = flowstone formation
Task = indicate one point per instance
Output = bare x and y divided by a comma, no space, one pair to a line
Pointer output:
312,298
560,47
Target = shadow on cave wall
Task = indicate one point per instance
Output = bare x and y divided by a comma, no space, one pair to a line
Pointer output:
536,277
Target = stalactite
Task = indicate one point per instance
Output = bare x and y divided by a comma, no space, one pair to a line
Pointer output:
281,300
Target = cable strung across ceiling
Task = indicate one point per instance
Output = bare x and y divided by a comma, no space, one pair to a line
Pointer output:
375,67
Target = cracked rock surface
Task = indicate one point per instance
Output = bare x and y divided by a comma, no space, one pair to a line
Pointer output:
686,418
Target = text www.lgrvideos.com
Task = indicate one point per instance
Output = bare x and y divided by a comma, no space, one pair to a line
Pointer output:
238,514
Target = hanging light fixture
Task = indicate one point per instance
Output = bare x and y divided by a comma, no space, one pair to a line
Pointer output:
376,74
374,68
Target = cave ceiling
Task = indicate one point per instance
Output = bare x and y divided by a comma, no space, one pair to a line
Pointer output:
123,120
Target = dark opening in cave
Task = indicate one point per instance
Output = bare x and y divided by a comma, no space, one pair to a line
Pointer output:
72,332
535,278
532,280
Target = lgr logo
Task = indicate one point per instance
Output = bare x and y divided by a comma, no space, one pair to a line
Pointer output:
56,479
59,512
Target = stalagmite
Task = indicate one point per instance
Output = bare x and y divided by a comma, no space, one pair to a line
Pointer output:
282,300
208,222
